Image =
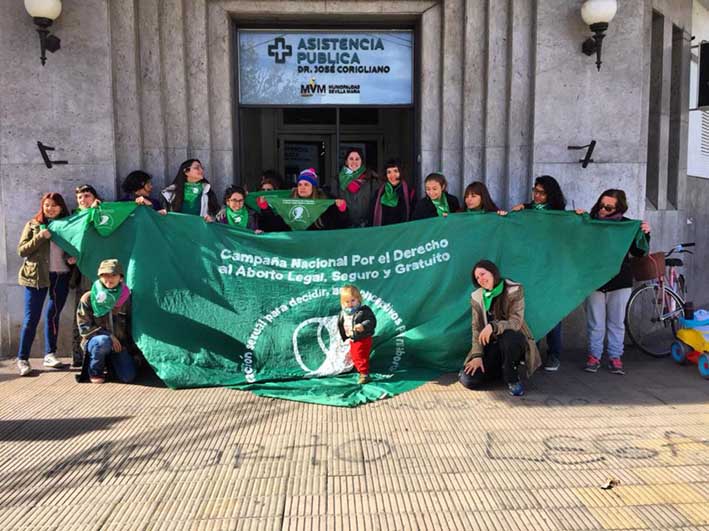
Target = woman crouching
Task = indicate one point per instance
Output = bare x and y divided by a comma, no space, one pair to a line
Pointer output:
502,341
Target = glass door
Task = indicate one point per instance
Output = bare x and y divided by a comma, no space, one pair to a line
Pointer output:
298,152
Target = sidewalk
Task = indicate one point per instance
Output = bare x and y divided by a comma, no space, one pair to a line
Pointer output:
143,457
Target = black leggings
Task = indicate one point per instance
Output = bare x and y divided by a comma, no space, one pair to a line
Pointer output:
501,358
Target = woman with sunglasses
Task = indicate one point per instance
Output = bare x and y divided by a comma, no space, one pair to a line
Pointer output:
605,307
547,195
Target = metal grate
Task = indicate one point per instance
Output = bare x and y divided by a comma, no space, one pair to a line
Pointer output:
704,148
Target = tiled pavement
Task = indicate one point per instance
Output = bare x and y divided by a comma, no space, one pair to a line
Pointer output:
85,457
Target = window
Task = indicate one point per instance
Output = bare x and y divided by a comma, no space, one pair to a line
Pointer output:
655,110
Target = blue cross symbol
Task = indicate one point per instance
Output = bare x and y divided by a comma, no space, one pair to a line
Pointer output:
279,50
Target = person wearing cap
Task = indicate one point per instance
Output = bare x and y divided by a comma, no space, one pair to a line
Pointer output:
137,187
104,321
335,217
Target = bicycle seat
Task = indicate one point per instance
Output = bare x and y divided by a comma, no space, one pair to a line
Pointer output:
674,262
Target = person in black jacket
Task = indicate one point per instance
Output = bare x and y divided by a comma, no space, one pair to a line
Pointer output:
268,221
547,195
437,202
335,217
356,324
394,201
605,307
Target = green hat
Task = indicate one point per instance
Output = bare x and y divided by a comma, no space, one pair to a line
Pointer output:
110,267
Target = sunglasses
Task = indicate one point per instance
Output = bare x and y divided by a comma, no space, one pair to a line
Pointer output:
608,208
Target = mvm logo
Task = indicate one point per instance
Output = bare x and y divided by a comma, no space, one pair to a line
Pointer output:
311,88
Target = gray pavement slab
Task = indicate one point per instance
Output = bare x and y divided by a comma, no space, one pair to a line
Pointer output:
143,457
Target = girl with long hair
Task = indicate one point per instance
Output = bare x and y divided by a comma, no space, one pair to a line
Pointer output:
46,269
190,192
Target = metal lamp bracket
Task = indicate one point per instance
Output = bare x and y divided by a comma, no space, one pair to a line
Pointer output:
43,150
587,159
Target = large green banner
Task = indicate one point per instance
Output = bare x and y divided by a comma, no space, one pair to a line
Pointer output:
215,306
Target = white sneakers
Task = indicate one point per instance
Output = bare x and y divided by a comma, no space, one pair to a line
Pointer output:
23,366
51,361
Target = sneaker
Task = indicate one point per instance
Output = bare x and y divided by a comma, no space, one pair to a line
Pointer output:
51,361
615,365
592,364
363,379
553,364
97,379
24,368
516,389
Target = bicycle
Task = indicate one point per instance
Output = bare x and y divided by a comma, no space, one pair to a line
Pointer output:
655,307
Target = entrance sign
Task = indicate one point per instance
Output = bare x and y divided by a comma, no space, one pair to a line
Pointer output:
326,68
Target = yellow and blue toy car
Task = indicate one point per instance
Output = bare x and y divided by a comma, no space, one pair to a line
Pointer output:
692,343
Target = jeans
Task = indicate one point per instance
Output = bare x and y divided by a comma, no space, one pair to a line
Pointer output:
34,300
100,349
554,342
605,316
501,358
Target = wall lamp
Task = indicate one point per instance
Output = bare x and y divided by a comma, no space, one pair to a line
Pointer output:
44,13
597,14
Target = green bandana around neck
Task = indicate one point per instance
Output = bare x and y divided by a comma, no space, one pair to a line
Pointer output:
237,218
540,206
441,205
347,175
390,198
192,198
104,299
488,295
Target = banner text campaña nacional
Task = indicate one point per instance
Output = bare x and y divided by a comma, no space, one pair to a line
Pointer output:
219,306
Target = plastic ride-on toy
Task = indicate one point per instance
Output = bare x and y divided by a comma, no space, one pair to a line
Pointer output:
692,343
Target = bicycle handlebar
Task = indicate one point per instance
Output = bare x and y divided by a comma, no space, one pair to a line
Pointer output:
680,248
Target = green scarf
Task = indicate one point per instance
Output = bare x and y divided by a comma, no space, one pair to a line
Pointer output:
103,299
191,203
475,210
488,295
347,175
390,198
540,206
237,218
441,205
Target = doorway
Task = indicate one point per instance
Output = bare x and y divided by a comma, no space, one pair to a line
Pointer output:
291,139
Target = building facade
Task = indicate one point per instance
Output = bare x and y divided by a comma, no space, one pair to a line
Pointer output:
501,89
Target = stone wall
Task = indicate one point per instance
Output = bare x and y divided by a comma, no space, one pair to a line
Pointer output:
67,104
503,87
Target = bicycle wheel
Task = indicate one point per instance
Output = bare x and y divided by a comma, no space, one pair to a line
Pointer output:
652,318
